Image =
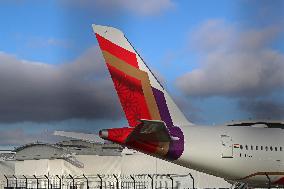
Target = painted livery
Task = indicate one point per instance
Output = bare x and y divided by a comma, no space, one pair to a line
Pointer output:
242,152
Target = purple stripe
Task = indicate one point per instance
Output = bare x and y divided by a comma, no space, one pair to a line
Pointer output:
162,106
176,146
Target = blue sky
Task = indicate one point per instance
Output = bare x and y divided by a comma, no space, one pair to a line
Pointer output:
184,42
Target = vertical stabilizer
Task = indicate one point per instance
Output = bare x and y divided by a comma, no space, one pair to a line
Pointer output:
140,93
151,113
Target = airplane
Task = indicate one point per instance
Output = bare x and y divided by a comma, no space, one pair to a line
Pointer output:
244,154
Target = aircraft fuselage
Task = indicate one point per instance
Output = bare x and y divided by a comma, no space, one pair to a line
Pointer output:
246,154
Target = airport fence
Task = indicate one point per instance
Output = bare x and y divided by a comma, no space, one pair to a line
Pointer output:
140,181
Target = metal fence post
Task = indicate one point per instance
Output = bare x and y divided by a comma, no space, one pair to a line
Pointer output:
269,180
47,181
26,181
152,181
101,187
192,180
87,181
16,181
171,180
36,182
73,181
7,184
59,181
133,180
117,184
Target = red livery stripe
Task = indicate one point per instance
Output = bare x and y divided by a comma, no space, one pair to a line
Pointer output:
131,96
119,52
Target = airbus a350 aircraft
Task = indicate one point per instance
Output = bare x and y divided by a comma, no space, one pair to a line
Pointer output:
250,153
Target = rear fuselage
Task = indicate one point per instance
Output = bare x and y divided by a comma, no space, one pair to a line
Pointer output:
245,154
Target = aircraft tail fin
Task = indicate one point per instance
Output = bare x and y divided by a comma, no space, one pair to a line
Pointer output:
140,93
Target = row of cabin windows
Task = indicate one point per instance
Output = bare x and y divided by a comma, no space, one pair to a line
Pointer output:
266,148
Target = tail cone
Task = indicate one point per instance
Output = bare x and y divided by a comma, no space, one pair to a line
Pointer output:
103,134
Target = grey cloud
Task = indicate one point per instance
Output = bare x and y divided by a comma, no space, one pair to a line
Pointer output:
260,12
263,109
142,8
236,75
40,92
242,61
217,35
246,67
192,112
211,34
17,137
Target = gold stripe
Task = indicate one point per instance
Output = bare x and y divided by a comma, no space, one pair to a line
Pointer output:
140,75
150,99
121,65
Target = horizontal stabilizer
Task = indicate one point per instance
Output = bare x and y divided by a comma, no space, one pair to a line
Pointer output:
150,130
150,136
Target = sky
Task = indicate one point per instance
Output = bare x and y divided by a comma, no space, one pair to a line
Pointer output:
220,61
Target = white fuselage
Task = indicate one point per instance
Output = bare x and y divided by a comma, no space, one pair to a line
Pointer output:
245,154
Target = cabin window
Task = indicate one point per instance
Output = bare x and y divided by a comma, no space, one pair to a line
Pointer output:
261,148
246,147
271,148
256,148
266,148
280,148
240,154
275,149
251,147
241,147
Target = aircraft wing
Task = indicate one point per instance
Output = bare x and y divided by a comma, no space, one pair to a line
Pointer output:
81,136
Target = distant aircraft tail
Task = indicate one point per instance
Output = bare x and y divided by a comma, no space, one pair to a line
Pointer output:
141,94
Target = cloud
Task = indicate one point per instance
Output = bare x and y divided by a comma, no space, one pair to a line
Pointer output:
146,7
235,63
219,36
210,35
39,92
141,8
18,137
260,13
191,111
263,109
40,42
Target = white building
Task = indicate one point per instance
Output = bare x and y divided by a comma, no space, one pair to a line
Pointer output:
78,158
